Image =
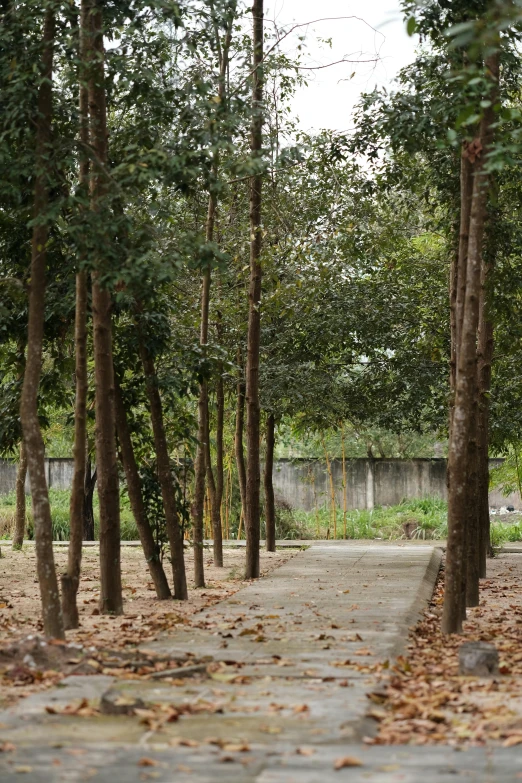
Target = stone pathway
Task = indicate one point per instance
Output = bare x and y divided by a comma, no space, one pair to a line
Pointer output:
279,702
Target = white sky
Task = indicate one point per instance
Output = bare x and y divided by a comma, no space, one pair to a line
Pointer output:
328,100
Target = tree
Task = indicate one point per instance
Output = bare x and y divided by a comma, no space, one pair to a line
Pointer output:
111,599
253,479
34,446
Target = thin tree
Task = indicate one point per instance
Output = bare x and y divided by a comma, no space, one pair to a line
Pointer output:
71,579
165,477
253,470
270,520
20,513
203,465
238,434
215,484
111,599
34,445
134,488
466,380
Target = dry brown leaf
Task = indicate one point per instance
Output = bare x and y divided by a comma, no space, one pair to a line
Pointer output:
147,762
348,761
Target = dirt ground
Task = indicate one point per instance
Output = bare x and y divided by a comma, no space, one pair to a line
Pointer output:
423,700
27,665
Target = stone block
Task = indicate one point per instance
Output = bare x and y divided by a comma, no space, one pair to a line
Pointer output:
478,659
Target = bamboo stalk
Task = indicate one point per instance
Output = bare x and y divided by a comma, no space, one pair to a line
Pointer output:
343,445
332,488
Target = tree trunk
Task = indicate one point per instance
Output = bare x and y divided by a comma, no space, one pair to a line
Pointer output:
343,455
111,599
71,579
253,474
88,497
128,460
168,492
34,445
270,521
466,386
238,436
485,359
215,484
198,506
21,473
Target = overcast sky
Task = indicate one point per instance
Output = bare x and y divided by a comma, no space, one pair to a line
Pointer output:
331,95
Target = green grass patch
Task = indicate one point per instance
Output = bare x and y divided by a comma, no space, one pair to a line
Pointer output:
59,500
423,518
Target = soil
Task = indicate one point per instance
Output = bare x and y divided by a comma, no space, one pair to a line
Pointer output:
423,700
102,644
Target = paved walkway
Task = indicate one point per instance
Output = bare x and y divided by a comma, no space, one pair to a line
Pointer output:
280,701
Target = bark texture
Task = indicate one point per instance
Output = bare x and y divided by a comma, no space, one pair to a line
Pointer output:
88,497
134,488
166,480
21,473
253,471
111,600
270,521
466,381
71,579
34,445
238,435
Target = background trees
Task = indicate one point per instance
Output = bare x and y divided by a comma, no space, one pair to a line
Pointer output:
168,158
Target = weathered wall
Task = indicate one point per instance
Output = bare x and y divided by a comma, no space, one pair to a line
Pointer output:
59,474
304,483
369,483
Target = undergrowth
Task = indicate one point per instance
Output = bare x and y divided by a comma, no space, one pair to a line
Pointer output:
424,518
59,500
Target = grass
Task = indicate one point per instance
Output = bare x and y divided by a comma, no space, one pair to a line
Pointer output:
59,500
425,518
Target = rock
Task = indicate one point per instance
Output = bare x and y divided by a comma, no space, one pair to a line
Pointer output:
479,659
114,703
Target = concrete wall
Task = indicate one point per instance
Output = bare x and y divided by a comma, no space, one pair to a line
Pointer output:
59,474
369,483
303,483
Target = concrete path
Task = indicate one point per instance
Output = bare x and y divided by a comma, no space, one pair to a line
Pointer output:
283,697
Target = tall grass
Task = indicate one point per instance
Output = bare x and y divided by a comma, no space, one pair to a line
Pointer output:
59,500
423,518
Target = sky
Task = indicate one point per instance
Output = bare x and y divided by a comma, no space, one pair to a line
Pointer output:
332,92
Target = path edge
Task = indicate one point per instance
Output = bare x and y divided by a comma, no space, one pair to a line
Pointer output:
422,598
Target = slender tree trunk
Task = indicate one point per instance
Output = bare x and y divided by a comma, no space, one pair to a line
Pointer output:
270,521
111,599
203,466
238,436
198,506
332,487
343,449
215,484
466,388
34,445
21,473
166,480
88,497
128,460
253,474
71,579
485,359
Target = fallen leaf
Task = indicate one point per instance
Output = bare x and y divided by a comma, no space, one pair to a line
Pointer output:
348,761
147,762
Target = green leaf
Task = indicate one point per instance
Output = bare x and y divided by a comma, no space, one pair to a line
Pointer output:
411,26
